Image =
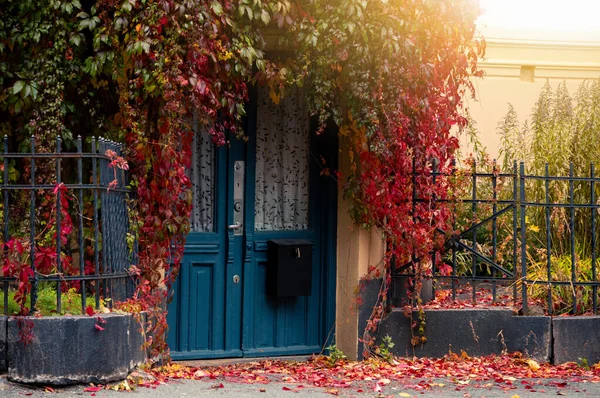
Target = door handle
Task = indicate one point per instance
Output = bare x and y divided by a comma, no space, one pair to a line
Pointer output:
235,226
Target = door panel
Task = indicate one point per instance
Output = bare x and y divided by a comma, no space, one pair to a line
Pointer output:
201,280
204,317
280,325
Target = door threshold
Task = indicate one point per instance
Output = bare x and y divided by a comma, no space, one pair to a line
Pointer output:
200,363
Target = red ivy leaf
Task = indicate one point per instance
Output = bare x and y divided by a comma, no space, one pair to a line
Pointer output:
59,188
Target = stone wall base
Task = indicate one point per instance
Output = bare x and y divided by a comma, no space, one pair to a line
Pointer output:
485,331
68,350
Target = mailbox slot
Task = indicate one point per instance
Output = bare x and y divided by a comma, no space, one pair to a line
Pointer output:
289,267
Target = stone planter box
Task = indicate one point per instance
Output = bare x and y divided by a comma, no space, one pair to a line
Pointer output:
70,349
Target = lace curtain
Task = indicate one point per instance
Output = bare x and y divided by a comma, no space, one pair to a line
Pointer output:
282,163
203,180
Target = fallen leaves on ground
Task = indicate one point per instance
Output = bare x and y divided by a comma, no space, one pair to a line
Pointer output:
419,374
93,388
484,297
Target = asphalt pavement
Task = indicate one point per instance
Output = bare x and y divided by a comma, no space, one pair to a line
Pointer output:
408,388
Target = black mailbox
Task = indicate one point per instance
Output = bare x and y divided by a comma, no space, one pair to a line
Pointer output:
289,267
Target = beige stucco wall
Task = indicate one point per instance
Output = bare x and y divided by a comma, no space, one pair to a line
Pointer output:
553,61
356,250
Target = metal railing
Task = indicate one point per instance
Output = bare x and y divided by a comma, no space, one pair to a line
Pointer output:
90,253
506,225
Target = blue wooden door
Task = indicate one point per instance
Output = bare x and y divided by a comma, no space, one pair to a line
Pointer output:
270,185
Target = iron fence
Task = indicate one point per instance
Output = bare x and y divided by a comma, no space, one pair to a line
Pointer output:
521,233
74,229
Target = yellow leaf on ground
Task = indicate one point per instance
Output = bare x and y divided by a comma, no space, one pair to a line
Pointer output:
533,365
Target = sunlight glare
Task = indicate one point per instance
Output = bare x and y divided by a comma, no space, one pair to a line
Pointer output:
569,16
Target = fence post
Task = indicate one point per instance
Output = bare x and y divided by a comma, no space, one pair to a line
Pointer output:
96,231
454,237
58,243
434,202
474,243
32,229
414,204
6,214
593,228
523,239
572,228
548,240
515,239
80,197
494,228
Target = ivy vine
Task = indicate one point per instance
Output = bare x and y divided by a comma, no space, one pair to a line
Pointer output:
390,74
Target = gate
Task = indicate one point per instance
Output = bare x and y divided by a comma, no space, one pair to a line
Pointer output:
506,226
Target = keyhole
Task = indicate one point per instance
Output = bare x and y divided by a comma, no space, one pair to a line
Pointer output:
236,279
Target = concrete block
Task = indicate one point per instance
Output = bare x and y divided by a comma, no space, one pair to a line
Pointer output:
475,331
401,293
136,341
531,335
368,293
67,350
575,338
3,343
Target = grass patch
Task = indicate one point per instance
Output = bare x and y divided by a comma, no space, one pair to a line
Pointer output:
46,301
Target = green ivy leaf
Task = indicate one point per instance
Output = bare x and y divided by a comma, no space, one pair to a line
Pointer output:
265,17
75,40
126,6
18,86
240,109
217,8
18,106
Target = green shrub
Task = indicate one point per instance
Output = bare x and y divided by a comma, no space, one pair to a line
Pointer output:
562,295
